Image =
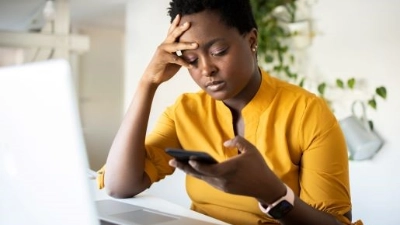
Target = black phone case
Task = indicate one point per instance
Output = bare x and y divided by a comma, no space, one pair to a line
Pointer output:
184,156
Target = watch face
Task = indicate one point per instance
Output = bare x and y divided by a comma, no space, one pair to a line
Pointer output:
281,209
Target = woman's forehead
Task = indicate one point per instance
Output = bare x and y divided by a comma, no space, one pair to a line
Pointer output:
204,18
204,25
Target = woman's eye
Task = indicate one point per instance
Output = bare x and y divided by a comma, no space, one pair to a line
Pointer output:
218,53
191,61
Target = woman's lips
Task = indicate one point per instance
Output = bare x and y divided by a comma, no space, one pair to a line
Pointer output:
215,85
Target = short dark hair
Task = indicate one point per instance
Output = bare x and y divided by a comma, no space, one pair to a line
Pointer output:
234,13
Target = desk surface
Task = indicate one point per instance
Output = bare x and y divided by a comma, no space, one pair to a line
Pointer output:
156,203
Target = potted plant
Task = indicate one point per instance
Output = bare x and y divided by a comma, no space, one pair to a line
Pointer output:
283,25
285,30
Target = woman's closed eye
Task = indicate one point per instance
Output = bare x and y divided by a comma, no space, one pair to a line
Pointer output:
219,52
191,60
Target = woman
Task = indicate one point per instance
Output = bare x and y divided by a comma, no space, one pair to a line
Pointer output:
282,156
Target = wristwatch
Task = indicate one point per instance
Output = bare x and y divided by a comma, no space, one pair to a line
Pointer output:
280,207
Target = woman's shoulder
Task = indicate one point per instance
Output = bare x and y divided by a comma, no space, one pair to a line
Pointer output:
193,100
284,87
291,94
292,89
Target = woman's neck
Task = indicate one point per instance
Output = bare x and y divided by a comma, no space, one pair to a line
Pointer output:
237,103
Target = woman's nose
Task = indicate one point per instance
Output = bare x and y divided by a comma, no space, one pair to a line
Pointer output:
208,69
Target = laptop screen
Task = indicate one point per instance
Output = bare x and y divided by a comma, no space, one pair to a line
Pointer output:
43,161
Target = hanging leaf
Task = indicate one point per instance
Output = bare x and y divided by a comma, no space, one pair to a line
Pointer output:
280,56
301,83
372,103
277,68
284,49
291,58
351,82
321,88
381,91
269,59
340,83
289,73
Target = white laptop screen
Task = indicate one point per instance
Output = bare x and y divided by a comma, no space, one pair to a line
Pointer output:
43,160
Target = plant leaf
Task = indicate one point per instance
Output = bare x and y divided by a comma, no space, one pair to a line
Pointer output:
321,88
339,83
277,68
351,82
301,83
372,103
291,58
269,59
381,91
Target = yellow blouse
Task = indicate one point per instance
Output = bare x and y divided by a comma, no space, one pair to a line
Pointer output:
294,130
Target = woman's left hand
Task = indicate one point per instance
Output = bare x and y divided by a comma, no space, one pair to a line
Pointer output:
245,174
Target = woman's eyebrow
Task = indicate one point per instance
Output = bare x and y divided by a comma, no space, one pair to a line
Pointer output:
207,45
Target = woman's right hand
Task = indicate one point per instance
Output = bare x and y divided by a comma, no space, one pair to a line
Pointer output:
165,62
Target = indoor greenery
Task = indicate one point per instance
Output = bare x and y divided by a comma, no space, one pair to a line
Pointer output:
274,48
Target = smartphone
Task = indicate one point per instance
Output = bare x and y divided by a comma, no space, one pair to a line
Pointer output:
184,156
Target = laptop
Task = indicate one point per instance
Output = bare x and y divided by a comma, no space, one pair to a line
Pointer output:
43,161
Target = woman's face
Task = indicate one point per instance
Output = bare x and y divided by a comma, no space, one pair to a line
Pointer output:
224,62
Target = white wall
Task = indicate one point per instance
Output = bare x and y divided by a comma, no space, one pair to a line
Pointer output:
361,38
101,72
357,39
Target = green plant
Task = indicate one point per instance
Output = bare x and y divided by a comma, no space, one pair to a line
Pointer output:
350,84
275,55
272,47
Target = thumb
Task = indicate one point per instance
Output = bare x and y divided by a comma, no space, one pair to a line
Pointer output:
240,143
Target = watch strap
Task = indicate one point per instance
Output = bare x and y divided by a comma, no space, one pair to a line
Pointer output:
284,204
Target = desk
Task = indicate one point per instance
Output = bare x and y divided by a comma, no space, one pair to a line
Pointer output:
155,203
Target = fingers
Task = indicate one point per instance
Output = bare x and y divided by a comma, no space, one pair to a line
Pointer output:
174,48
176,30
240,143
193,168
185,168
170,52
178,46
174,23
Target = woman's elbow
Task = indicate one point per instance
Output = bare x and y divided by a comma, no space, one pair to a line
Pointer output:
117,194
117,189
121,193
124,190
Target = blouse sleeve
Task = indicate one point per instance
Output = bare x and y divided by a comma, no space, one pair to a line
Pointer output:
162,136
156,162
324,172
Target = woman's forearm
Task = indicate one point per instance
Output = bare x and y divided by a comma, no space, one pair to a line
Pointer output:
303,214
125,176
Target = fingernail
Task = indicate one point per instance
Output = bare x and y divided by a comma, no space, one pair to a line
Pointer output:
185,24
192,163
172,163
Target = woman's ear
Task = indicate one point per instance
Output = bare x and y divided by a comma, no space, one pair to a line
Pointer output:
252,36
